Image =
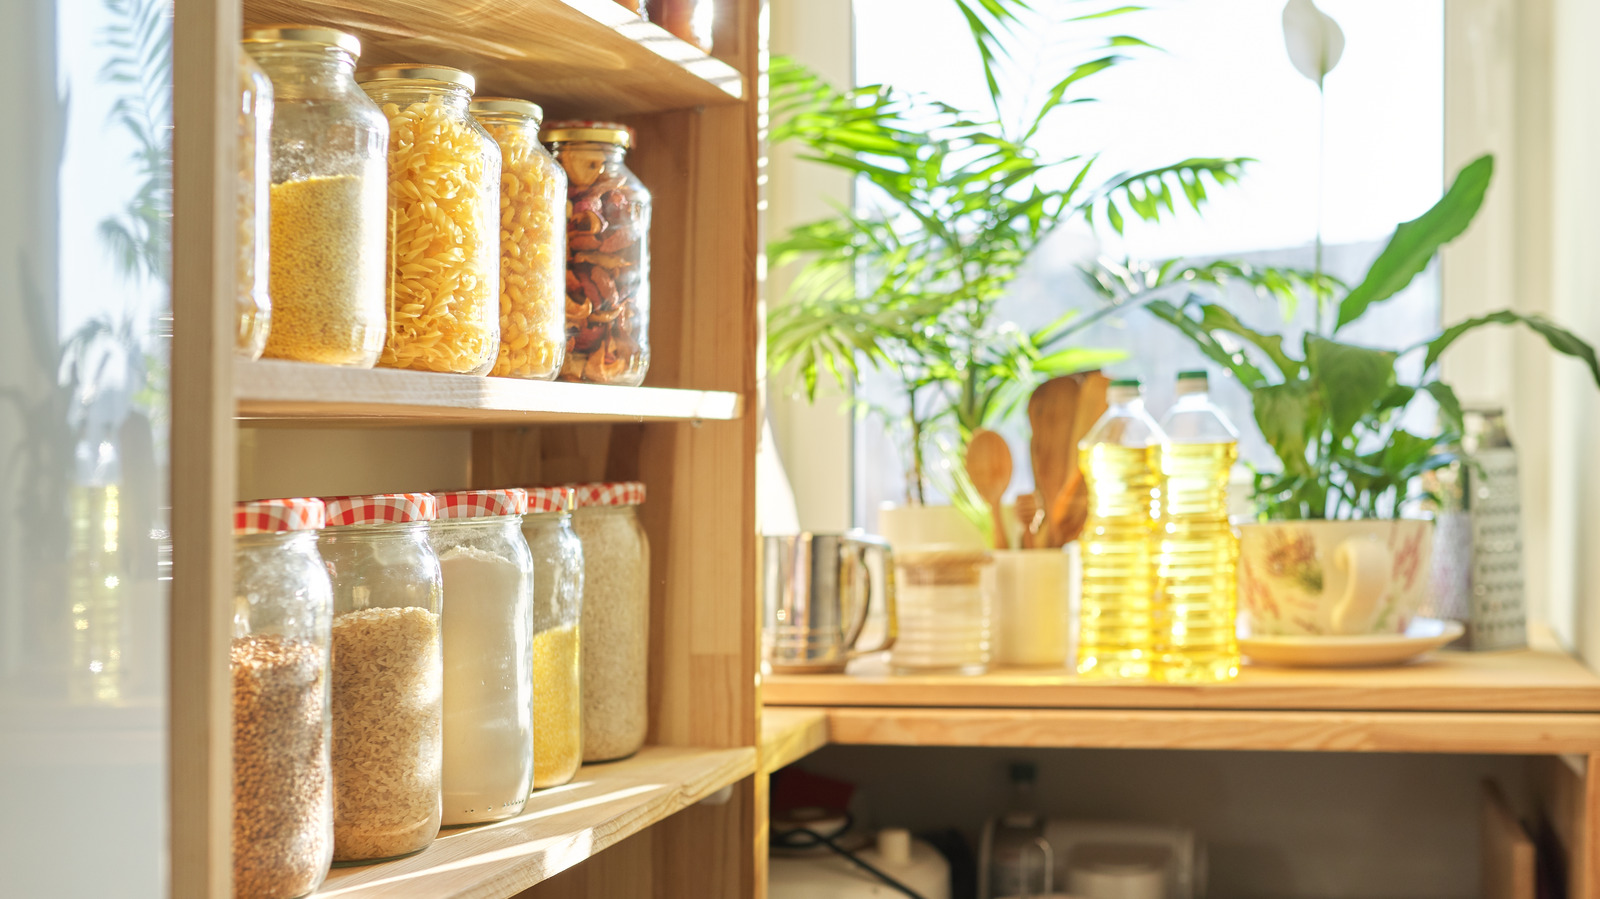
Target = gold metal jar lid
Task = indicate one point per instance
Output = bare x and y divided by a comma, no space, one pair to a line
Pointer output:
303,34
602,132
507,106
409,72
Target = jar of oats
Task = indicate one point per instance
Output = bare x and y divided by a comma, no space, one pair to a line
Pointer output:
387,675
557,614
444,221
252,306
282,781
533,242
488,653
615,628
328,224
608,254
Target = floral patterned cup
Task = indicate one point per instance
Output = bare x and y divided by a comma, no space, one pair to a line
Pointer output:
1327,578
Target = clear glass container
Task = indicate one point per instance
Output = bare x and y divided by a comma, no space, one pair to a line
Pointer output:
252,303
329,221
690,20
615,629
944,611
608,254
388,675
444,218
488,632
282,779
557,613
533,242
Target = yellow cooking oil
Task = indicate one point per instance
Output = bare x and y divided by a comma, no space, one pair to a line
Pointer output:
1196,560
1120,460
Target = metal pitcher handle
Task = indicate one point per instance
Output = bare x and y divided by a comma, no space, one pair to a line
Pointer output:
1049,869
863,546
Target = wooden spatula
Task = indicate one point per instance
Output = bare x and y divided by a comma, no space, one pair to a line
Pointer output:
1031,517
1051,413
989,467
1069,510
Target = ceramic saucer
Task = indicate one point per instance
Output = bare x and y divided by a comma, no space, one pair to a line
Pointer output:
1367,650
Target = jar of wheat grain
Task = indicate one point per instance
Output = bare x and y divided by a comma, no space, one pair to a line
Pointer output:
557,635
444,221
387,675
282,779
615,628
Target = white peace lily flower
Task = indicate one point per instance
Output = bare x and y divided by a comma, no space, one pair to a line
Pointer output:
1314,40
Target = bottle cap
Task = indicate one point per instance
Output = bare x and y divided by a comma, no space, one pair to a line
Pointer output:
1192,374
1192,382
894,844
1126,382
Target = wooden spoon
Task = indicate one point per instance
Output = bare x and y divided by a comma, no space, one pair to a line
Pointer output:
989,467
1030,516
1070,509
1052,411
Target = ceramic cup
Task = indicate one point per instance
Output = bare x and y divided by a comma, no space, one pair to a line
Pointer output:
1033,605
1324,578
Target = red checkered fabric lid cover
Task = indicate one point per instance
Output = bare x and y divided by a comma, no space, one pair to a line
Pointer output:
482,503
610,493
275,516
550,499
381,508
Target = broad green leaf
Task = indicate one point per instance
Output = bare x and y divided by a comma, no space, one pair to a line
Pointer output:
1414,243
1287,415
1072,361
1216,318
1350,380
1240,367
1560,339
1449,407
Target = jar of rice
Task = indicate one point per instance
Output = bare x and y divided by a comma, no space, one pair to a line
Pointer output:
388,675
252,305
282,782
328,222
488,651
557,613
615,629
533,242
444,221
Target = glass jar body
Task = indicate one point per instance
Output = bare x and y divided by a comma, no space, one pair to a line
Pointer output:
557,660
387,689
253,307
329,226
488,683
615,631
608,266
282,777
943,611
533,251
444,230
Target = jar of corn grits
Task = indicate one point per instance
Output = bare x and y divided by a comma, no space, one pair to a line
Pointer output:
444,218
533,242
557,612
328,220
251,302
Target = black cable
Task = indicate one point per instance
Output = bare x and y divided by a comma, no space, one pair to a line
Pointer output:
787,840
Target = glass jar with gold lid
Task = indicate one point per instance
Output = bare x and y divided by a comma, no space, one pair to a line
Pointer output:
444,221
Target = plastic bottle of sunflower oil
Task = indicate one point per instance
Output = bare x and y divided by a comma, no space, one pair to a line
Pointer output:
1198,552
1120,462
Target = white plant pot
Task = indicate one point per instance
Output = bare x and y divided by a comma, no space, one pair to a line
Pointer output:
914,528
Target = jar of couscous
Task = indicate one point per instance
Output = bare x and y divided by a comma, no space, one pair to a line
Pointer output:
608,254
557,613
251,300
616,619
444,221
328,199
533,242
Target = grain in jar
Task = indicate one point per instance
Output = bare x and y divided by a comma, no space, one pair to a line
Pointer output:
252,305
615,628
557,617
282,778
387,675
488,630
444,222
328,224
533,242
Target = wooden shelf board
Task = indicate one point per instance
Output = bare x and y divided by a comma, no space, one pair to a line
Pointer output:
579,58
272,391
561,827
1295,731
788,735
1523,681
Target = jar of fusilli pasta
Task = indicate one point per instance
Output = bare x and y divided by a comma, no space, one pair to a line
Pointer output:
444,221
533,242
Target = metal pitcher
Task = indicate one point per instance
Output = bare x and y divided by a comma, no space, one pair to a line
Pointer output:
816,591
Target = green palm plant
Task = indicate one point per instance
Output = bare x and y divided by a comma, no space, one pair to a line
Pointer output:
954,203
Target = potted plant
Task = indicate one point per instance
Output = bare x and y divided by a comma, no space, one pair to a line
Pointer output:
954,202
1332,553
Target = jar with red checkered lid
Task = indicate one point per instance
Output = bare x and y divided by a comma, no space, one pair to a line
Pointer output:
282,779
557,611
388,672
488,653
616,618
